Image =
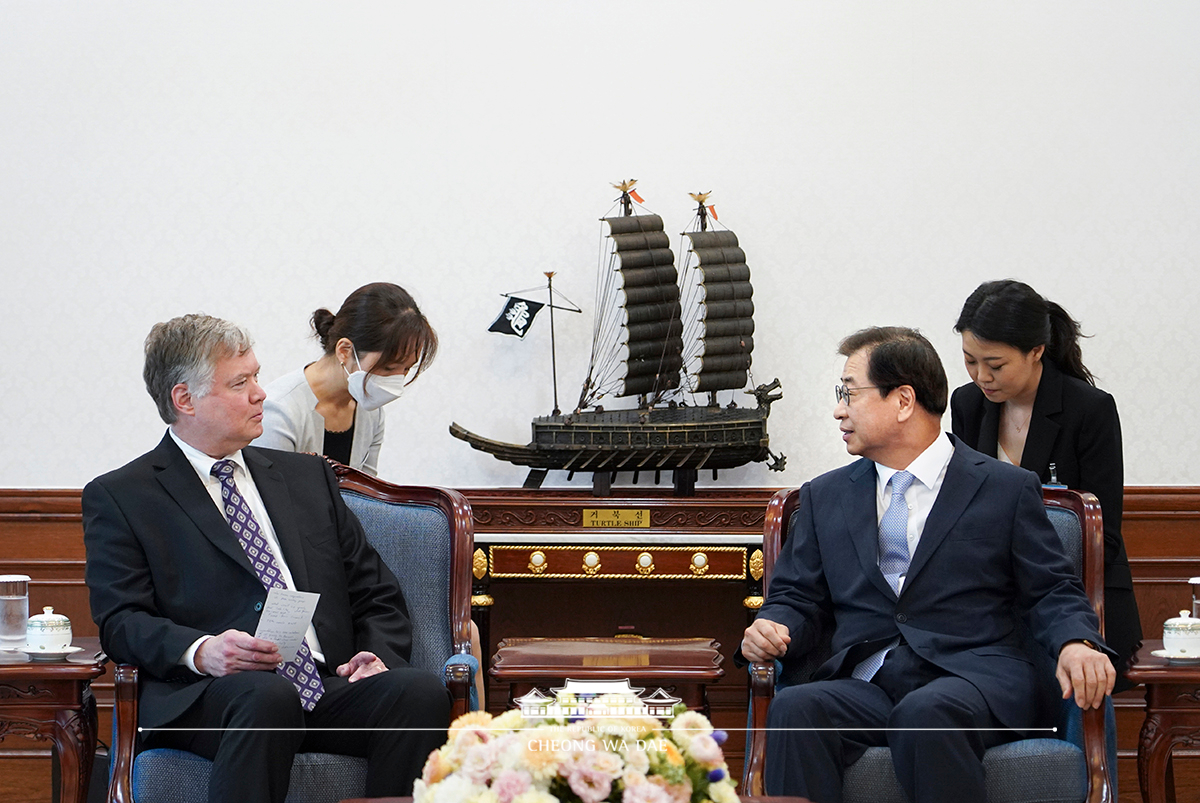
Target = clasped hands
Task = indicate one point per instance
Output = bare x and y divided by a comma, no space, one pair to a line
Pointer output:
1081,670
238,651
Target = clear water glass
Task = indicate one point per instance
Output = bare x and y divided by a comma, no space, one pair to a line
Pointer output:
14,609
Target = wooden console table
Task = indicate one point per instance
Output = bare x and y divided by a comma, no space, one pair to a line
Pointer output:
1172,718
561,563
53,700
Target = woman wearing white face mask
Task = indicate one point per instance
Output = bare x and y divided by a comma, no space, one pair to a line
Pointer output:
374,346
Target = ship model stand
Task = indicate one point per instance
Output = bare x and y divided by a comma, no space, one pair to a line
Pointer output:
660,336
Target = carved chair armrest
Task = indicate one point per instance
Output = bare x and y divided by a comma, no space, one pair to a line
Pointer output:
125,718
1095,752
460,680
762,690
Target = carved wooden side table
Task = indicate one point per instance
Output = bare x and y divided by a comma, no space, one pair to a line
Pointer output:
53,700
685,665
1172,718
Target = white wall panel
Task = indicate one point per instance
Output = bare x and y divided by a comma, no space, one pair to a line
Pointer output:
878,160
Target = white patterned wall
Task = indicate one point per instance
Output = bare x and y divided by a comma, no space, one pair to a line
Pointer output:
878,160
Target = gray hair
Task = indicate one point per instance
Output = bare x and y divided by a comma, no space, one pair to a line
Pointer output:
185,350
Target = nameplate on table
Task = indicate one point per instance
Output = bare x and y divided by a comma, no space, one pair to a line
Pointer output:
615,517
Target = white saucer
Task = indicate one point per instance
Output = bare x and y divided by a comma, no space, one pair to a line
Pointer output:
1178,660
45,655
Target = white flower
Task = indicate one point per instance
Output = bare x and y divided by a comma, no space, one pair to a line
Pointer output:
689,725
703,748
486,796
508,721
636,759
535,796
454,789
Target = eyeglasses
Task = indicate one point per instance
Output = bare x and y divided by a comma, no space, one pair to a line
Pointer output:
842,393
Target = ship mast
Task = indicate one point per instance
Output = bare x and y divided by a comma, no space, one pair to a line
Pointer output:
553,358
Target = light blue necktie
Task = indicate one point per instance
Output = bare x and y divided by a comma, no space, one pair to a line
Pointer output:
893,533
893,559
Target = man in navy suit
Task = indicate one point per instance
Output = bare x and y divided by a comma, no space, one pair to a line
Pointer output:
922,558
174,589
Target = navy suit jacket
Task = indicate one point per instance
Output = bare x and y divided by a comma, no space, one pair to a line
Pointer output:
1074,426
987,559
164,568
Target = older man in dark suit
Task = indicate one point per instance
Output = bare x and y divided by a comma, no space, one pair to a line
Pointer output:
183,544
923,557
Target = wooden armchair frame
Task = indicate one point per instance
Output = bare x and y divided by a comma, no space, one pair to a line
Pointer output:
762,675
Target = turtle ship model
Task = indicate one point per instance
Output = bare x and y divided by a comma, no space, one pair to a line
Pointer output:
661,336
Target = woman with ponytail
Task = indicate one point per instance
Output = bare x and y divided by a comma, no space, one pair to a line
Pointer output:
1032,402
375,345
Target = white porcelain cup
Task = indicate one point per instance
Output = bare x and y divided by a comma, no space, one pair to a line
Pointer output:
1181,636
48,632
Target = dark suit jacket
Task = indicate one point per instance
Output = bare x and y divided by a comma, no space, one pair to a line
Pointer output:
987,557
164,568
1075,427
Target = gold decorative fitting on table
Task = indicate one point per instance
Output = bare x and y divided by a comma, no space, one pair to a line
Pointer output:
479,564
756,565
753,603
482,601
537,562
615,562
644,563
699,564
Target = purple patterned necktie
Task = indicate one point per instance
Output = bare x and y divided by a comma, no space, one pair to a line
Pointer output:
301,671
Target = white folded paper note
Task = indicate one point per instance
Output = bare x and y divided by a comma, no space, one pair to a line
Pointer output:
285,619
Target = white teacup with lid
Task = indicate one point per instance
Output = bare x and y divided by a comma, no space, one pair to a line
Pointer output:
1181,636
48,632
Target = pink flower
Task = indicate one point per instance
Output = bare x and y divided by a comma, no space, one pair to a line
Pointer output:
511,783
436,768
591,785
477,765
677,793
645,793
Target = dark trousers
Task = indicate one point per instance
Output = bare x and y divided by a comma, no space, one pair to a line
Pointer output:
258,726
924,715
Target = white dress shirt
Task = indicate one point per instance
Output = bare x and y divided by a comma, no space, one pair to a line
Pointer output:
249,491
929,472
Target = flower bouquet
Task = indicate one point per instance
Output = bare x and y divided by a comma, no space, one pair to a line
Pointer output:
638,759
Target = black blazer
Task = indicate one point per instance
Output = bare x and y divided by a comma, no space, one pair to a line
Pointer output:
987,555
164,568
1075,427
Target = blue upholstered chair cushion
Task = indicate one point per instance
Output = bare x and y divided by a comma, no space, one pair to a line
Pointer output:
1028,771
181,777
421,562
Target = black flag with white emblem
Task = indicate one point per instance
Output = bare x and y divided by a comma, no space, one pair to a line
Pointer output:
518,314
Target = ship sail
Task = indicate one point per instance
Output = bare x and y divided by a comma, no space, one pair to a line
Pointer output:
727,311
644,331
652,324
